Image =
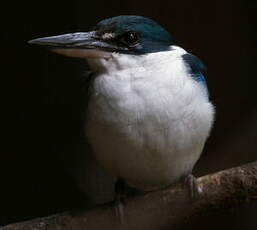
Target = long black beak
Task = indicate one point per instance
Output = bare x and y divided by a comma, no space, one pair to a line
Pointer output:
81,44
74,40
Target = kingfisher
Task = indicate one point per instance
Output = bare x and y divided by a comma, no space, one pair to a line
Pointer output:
149,113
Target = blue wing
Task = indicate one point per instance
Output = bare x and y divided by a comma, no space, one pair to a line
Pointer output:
196,69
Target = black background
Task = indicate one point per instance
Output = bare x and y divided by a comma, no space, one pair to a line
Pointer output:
42,94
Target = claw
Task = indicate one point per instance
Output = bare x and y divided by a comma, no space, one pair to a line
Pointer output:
194,189
119,202
119,210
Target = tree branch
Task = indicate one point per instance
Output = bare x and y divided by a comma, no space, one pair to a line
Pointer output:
160,209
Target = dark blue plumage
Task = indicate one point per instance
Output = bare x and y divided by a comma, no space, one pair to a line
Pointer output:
196,68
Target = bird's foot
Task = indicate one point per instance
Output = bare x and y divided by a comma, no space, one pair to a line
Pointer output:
194,189
120,199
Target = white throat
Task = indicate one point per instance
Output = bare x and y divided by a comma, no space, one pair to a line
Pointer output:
118,61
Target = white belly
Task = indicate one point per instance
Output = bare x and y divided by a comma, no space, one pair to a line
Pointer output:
151,137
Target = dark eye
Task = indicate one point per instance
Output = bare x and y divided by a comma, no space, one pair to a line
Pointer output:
130,38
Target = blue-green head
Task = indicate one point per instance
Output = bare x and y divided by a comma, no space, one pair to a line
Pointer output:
135,34
122,34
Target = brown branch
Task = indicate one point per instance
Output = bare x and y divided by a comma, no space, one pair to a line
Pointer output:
160,209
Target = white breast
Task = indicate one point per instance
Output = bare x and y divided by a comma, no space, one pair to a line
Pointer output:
147,119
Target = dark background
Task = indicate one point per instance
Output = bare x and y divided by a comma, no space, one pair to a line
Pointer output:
42,94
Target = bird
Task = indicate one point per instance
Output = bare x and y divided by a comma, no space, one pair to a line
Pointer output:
149,113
